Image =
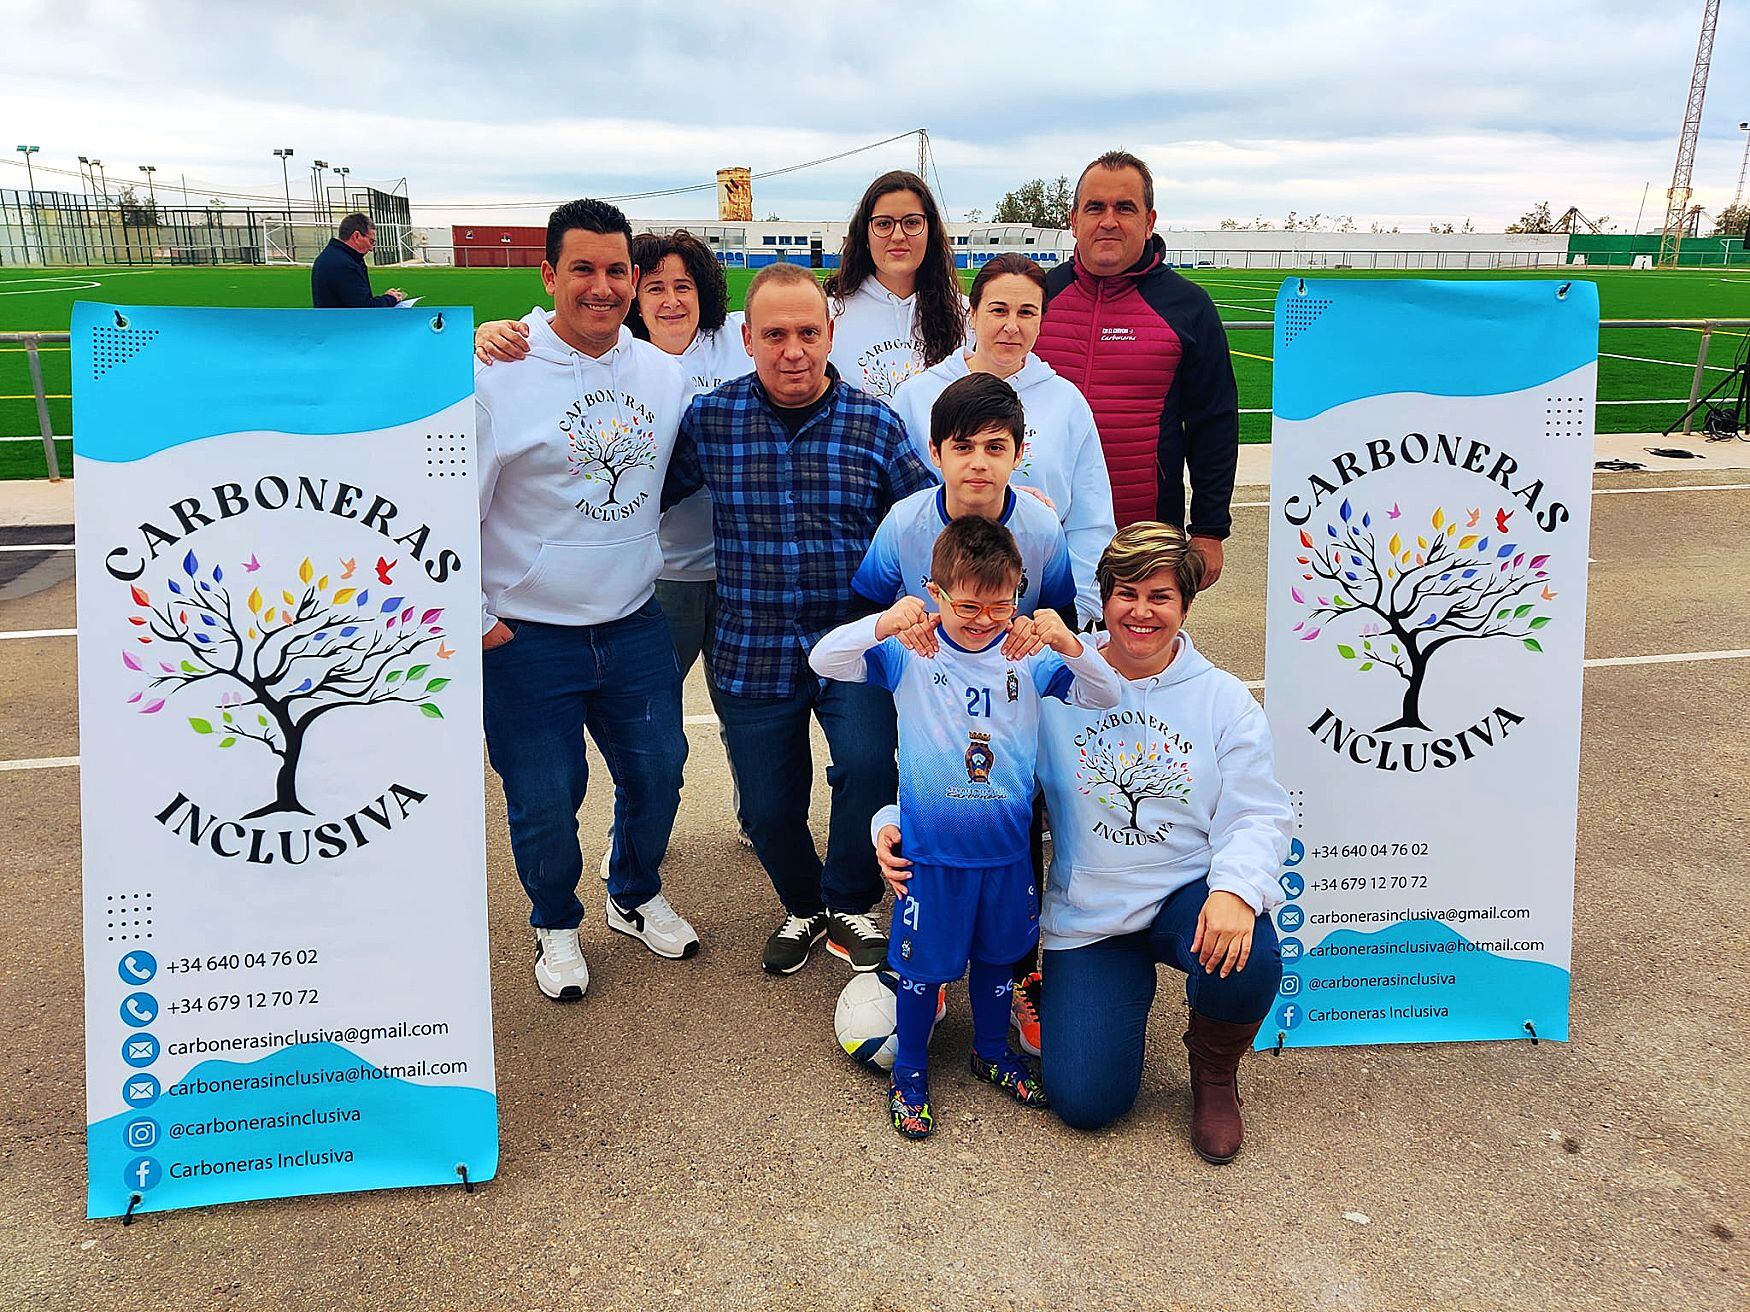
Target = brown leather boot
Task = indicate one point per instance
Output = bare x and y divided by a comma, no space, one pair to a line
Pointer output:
1216,1047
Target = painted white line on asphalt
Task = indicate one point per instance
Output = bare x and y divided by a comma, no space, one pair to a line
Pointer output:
1663,658
37,546
39,633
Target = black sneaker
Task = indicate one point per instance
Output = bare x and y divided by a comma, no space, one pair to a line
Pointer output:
788,947
1013,1076
857,939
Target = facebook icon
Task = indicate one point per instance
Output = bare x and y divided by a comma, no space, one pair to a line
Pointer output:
142,1173
1288,1015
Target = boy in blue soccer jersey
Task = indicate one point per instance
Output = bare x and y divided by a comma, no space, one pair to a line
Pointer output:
967,682
977,429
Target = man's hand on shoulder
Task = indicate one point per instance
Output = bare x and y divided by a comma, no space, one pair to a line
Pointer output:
1213,552
501,339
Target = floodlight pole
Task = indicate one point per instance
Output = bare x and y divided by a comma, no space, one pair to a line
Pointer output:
321,201
283,154
84,166
149,170
35,217
1743,164
98,165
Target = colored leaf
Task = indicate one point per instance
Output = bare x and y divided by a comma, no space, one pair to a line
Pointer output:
268,618
1520,612
130,660
436,714
345,595
1540,621
1396,545
1468,541
1344,510
306,571
1422,542
226,717
227,742
189,667
1538,562
364,597
261,720
432,614
174,586
199,725
1533,644
322,584
1347,653
1367,665
348,631
152,707
190,564
140,598
417,670
1504,552
392,603
394,676
218,576
1439,517
1292,591
437,685
254,601
1305,541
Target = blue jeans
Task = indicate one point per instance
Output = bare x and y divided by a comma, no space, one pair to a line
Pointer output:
690,607
543,689
1094,1004
772,757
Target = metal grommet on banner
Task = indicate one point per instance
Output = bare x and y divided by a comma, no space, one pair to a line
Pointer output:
467,1184
120,320
437,323
1532,1031
1562,291
1301,289
134,1200
1281,1038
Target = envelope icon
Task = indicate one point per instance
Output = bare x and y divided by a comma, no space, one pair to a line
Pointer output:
142,1089
140,1050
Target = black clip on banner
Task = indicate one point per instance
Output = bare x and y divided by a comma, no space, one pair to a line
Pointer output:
1532,1031
467,1184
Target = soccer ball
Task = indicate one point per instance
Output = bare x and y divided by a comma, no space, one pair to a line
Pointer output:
864,1018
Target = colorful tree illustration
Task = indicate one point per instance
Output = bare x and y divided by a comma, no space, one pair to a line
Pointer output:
1123,775
1417,593
273,665
608,450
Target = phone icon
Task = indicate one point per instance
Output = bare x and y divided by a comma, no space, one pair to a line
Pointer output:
139,1010
137,967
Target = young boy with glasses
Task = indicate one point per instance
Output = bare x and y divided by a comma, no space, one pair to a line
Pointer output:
967,683
977,433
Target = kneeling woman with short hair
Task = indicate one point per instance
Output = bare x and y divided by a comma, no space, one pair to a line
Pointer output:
1169,831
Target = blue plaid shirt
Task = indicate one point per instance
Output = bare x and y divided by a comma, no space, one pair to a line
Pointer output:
792,520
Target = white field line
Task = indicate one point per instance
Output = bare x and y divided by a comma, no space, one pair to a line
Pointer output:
36,546
1675,364
1254,685
39,633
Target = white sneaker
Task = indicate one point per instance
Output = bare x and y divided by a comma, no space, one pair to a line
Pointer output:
560,971
658,925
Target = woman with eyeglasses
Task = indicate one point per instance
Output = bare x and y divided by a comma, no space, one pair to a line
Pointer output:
896,301
1061,454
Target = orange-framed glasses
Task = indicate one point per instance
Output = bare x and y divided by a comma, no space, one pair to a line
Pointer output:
998,611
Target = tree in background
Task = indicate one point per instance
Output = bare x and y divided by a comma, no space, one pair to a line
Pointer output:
1038,204
1536,219
1730,222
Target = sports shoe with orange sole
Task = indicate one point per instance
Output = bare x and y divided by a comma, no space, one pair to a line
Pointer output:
1024,1013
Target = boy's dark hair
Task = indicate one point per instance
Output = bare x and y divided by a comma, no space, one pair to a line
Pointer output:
590,216
353,224
974,403
977,551
1117,160
650,250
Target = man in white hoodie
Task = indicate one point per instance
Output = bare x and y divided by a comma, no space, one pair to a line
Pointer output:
574,443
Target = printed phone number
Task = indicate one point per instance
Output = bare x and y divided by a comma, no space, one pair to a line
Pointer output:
243,961
245,1001
1351,850
1355,883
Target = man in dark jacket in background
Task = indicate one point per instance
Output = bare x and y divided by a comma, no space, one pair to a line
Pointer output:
338,279
1147,349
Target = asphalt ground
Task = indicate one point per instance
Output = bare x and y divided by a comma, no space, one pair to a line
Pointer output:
689,1134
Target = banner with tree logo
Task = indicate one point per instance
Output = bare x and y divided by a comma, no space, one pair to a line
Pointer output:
1431,468
279,706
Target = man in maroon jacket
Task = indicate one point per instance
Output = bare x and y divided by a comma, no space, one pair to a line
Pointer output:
1147,349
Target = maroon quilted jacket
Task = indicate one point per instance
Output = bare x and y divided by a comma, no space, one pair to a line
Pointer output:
1148,351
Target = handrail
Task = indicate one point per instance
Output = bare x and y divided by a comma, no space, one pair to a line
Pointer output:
32,340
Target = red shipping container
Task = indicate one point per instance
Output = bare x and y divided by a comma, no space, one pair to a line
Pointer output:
492,246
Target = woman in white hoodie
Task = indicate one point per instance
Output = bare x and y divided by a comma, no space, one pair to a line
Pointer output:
1169,831
896,302
1062,456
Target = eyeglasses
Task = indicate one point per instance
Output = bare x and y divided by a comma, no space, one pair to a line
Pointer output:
882,225
999,611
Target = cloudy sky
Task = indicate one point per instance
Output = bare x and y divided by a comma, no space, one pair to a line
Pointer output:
1395,113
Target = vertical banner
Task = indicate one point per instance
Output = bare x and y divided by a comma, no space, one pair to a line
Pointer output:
279,711
1431,466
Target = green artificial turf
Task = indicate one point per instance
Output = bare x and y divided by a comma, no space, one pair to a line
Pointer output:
1649,368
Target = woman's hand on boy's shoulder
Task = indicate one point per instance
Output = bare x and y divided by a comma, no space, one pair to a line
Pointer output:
1029,634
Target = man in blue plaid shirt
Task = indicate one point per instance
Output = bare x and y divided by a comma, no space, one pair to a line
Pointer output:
801,468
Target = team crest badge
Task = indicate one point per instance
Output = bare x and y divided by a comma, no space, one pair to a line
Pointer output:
979,758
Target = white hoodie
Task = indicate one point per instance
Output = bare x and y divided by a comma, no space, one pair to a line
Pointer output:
688,547
873,346
572,455
1176,783
1062,458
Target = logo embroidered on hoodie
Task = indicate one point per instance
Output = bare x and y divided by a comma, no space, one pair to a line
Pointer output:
886,365
1125,762
601,451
